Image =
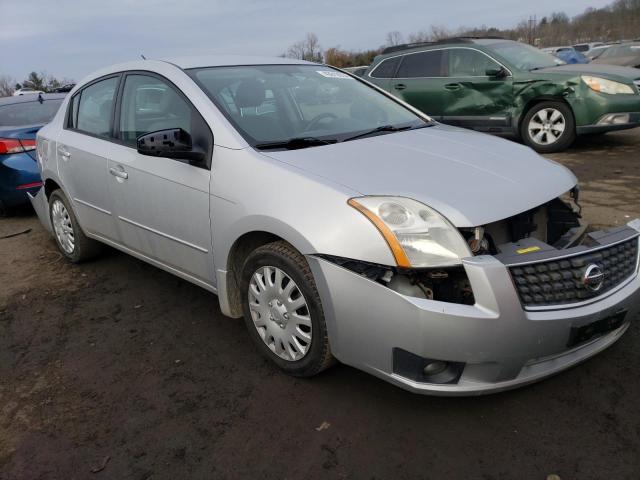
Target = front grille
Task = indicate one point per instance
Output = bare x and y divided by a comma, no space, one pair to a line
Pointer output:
560,281
637,82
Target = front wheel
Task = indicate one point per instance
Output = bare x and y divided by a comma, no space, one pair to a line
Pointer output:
548,127
283,312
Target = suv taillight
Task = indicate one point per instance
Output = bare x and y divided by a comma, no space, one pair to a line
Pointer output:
13,145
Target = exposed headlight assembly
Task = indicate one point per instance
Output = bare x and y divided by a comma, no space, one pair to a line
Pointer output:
417,235
603,85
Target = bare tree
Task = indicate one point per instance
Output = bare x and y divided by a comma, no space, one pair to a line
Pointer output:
6,86
394,38
307,49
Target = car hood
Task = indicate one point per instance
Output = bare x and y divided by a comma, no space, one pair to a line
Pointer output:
595,69
471,178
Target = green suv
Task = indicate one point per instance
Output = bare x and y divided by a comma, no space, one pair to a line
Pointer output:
501,86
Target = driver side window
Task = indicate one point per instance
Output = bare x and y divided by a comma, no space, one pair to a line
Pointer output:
465,62
150,104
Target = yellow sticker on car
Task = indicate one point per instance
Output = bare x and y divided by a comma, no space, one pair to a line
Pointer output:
527,250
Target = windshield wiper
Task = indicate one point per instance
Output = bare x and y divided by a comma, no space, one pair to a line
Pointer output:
386,128
295,143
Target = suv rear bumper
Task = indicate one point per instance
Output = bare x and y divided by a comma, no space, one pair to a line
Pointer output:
499,344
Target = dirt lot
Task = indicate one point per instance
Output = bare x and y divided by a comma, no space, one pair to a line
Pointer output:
116,370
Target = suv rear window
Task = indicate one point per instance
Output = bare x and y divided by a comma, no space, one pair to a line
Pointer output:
423,64
386,68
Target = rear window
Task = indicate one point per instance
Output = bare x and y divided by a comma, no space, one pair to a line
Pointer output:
28,113
423,64
386,68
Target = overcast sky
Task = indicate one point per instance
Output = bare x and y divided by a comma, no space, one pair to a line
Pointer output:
71,38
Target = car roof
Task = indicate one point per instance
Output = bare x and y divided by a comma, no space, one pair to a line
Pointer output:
31,97
457,41
231,60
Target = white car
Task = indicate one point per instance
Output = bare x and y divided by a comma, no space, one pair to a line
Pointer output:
26,91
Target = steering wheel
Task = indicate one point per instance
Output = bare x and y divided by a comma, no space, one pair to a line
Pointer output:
315,121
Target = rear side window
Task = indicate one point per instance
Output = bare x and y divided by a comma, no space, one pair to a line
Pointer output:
386,68
28,113
96,107
423,64
150,104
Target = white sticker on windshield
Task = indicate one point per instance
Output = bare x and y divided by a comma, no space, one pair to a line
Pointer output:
332,74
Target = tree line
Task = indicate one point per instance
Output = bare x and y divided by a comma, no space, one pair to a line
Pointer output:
37,81
618,21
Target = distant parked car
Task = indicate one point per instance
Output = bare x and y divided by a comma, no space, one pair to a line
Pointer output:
625,55
64,88
568,55
20,119
585,48
502,86
25,91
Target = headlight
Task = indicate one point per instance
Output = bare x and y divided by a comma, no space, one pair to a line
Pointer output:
417,235
603,85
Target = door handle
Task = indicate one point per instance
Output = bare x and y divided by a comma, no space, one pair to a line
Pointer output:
118,173
399,86
453,86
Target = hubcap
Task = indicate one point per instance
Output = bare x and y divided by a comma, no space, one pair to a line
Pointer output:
546,126
280,313
62,226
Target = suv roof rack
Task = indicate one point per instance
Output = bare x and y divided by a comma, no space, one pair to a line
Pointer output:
464,39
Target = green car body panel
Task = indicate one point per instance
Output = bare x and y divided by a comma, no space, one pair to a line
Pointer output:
500,101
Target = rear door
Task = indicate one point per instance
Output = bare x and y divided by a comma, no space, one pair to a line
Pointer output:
420,80
82,150
161,204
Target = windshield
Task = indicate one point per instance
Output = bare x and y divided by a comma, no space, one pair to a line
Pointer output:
278,103
28,113
525,57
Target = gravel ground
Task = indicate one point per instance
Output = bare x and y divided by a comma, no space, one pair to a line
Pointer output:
116,370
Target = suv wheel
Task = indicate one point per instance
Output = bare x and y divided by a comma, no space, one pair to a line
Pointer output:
71,241
549,127
282,310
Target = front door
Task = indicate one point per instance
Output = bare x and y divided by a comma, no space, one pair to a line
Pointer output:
82,150
471,97
161,204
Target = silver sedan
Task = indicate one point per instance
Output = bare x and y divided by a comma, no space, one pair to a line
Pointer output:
341,223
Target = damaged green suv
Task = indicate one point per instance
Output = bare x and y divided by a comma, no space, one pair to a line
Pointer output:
501,86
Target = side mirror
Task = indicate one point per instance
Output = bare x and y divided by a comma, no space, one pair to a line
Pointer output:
497,72
172,143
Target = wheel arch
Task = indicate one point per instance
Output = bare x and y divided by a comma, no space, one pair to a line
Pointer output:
532,102
50,186
229,292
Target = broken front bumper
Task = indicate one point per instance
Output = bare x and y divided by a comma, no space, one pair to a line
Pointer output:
497,343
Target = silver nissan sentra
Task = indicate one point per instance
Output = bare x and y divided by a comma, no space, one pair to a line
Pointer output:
341,223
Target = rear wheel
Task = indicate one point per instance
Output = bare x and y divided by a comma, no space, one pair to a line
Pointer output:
282,310
70,238
549,127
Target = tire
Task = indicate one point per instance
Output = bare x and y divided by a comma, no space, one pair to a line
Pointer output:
549,116
82,247
265,329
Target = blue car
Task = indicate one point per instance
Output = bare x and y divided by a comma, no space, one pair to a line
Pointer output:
20,119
